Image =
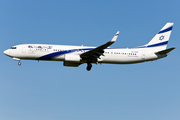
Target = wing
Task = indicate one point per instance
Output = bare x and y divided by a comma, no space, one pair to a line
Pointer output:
95,53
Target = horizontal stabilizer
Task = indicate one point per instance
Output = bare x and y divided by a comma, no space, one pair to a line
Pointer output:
165,51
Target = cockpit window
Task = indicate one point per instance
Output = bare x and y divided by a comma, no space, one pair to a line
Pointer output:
13,47
30,46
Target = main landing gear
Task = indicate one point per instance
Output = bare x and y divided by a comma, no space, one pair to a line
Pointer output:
89,66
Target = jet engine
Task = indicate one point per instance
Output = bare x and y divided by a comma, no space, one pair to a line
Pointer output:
72,60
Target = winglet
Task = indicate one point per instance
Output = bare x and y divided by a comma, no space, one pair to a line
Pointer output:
115,37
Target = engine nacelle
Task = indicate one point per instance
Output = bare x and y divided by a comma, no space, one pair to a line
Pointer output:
72,60
71,64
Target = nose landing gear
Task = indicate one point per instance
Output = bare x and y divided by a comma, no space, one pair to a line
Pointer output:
19,63
17,59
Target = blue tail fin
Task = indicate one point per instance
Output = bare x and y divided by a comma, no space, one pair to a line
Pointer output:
161,39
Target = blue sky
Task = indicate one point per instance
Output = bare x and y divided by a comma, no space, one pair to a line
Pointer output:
49,91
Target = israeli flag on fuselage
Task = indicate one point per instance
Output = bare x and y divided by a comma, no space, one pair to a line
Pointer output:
160,40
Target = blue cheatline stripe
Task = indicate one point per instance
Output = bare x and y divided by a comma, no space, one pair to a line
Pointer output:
155,45
158,44
55,54
166,30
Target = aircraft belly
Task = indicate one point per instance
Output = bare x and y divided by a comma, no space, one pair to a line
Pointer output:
122,59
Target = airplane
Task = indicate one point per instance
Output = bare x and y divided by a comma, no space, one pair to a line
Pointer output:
73,56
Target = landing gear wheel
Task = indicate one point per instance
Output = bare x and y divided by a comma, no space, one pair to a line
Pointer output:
19,63
89,66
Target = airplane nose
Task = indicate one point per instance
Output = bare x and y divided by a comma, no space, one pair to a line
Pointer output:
6,52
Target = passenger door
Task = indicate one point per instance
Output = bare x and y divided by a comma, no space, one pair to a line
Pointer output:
143,55
24,49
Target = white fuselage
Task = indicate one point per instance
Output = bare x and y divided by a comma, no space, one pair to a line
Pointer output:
73,56
58,52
